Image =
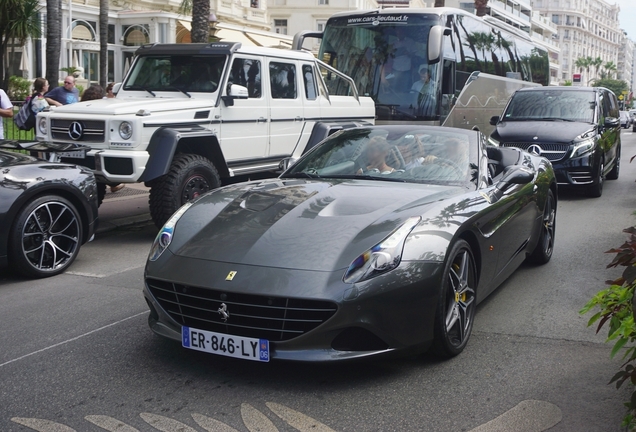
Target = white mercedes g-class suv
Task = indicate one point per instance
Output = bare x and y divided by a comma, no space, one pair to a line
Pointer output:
189,115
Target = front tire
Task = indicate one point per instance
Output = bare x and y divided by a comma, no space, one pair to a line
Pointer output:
542,253
613,174
189,176
457,302
596,189
46,237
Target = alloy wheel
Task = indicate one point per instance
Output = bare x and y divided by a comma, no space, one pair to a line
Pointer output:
460,299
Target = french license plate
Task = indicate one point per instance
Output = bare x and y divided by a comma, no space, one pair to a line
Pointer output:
225,345
79,154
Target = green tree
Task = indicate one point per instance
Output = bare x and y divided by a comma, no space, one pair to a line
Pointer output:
597,63
103,42
200,21
610,68
53,41
617,86
584,63
18,22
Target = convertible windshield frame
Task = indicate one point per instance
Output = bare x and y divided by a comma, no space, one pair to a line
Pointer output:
404,154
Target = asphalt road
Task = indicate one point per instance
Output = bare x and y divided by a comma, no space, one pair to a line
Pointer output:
76,353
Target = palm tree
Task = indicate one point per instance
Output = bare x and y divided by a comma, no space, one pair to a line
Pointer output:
583,63
597,63
18,22
610,67
200,21
103,42
53,41
481,6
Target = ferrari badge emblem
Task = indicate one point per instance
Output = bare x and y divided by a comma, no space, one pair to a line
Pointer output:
230,275
223,312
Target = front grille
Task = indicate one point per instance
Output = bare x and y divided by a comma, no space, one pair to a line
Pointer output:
93,130
257,316
551,151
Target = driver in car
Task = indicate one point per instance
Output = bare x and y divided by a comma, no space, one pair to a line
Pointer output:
376,153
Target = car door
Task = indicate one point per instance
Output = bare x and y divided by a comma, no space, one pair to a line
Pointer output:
286,107
245,123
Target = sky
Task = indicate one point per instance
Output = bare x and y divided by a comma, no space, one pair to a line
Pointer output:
627,16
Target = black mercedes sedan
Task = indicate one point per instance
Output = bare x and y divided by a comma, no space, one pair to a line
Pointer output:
47,211
378,240
576,128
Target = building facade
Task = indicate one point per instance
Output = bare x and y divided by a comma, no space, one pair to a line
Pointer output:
586,28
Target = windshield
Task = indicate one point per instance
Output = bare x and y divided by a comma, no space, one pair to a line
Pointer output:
401,154
176,73
386,55
552,105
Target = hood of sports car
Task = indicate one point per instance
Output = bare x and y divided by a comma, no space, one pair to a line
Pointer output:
300,224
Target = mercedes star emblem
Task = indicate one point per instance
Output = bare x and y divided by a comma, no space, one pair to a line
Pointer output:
535,149
75,130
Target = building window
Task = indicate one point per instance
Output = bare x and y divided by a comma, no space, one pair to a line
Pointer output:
320,25
323,2
255,4
556,19
280,26
136,35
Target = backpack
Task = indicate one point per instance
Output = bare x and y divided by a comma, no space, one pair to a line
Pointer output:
25,118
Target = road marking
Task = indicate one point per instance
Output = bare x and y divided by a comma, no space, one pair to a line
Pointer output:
42,425
109,423
256,421
72,339
527,416
211,425
296,419
165,424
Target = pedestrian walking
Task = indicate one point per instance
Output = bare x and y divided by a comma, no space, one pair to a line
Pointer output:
6,110
67,94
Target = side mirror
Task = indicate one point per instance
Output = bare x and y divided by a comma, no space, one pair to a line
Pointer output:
116,88
235,91
284,164
612,122
512,175
435,42
494,120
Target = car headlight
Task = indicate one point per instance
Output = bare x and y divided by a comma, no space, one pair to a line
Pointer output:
383,257
42,127
164,237
583,147
125,130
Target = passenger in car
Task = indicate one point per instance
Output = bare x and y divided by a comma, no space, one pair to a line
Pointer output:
376,153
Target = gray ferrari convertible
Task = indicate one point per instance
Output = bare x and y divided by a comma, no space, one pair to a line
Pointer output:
377,240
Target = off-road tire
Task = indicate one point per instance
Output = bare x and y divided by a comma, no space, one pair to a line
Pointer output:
189,176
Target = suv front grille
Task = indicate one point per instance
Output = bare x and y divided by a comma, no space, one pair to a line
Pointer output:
257,316
553,152
92,130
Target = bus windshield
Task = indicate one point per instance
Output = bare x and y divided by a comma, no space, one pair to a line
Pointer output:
386,55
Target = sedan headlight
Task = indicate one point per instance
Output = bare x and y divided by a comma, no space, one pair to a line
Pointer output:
125,130
383,257
583,147
164,237
42,126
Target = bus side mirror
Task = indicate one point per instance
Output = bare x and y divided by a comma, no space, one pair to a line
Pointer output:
435,42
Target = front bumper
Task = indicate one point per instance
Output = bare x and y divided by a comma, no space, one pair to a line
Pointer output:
114,166
392,312
580,171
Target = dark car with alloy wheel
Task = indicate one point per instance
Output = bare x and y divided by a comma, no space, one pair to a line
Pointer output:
378,240
47,211
576,128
